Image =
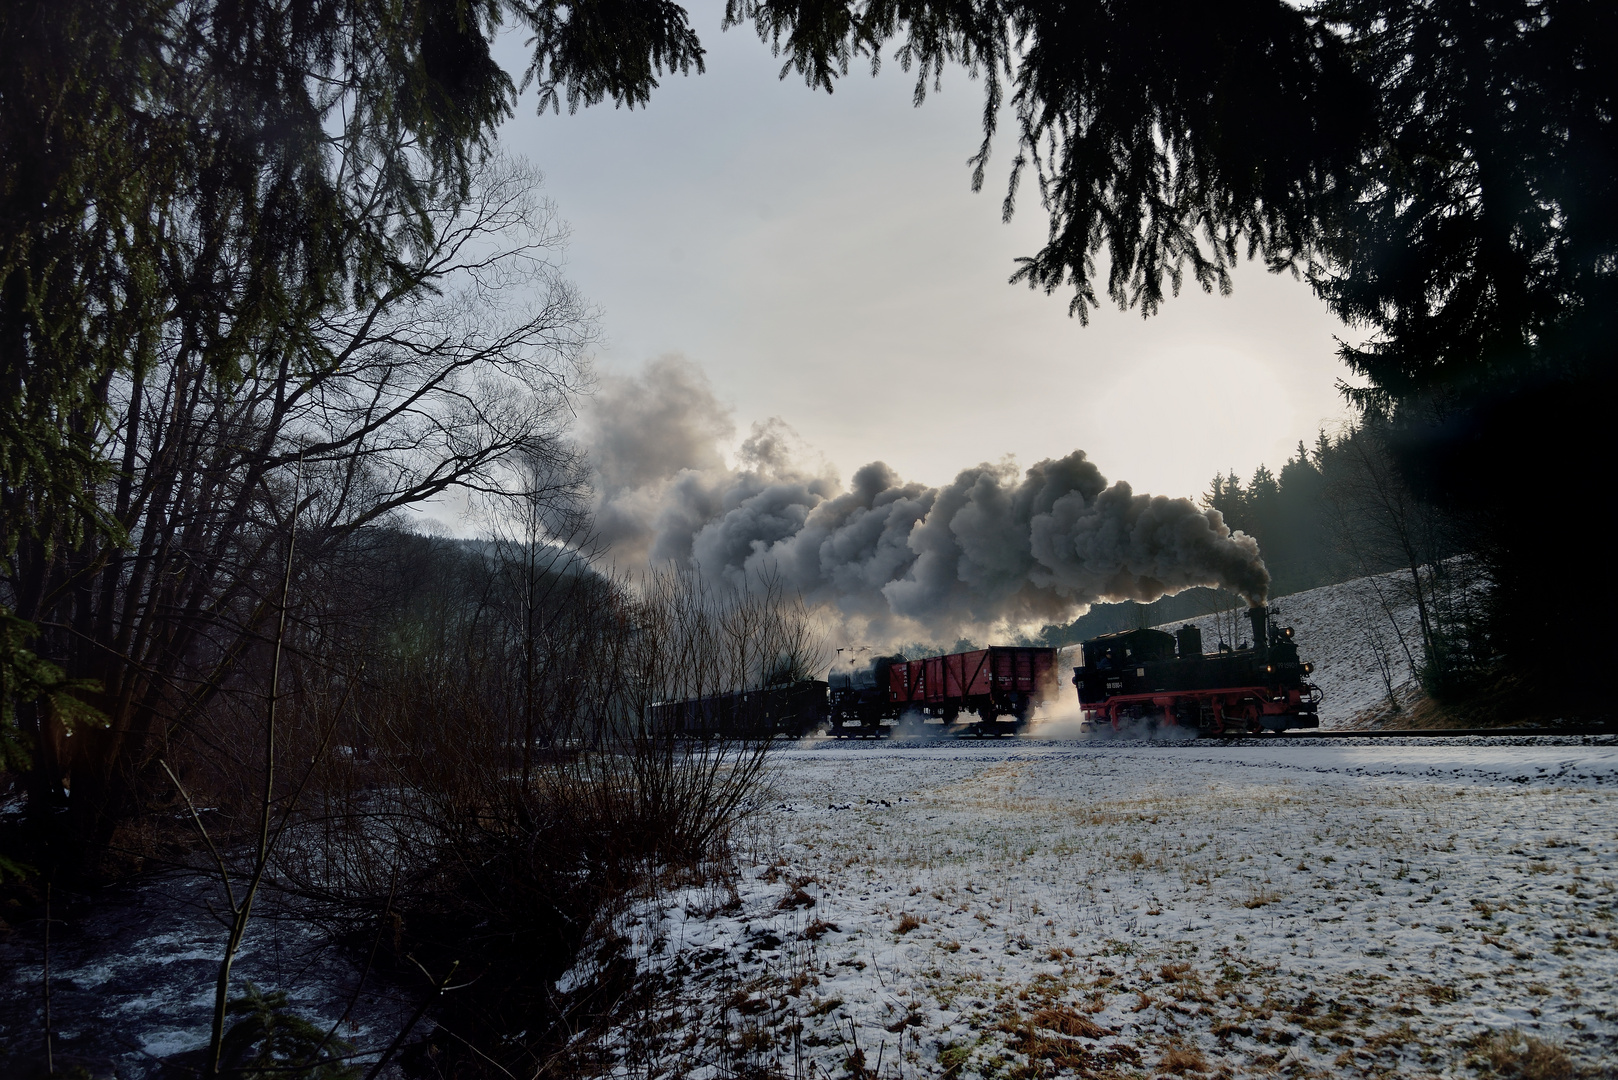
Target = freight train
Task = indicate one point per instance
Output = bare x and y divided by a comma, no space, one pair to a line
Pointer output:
1136,681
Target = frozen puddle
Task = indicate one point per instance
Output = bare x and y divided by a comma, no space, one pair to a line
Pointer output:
1038,909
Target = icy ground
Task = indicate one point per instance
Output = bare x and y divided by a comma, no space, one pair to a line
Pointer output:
1425,908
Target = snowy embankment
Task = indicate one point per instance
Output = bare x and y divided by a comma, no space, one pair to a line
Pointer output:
1361,635
1030,909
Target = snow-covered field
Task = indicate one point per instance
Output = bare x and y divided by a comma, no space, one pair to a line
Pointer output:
1064,908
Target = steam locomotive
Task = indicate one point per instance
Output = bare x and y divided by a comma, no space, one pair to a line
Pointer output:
1149,678
1139,679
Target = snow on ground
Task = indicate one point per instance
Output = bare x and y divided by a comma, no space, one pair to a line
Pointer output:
1045,908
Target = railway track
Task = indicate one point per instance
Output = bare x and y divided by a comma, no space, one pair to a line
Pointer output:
1314,734
1438,733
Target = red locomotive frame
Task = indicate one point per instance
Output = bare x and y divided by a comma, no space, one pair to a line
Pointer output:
1236,710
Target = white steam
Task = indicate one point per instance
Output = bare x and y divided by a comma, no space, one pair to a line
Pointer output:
993,548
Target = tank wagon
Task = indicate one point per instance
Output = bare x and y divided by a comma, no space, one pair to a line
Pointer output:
1151,678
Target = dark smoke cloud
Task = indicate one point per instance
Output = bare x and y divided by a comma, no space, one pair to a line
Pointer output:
994,547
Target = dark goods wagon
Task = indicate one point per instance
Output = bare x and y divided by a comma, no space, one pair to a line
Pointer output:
1143,679
1002,681
793,709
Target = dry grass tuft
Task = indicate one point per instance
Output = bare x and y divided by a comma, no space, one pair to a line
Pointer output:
818,929
907,923
1064,1021
1183,1059
1047,1043
1439,994
1522,1057
796,898
1261,897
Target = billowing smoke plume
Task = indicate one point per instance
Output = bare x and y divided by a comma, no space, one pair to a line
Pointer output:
994,547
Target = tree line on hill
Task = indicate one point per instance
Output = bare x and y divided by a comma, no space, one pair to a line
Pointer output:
1337,511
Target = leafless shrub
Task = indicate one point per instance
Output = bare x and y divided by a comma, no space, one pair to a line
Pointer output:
506,792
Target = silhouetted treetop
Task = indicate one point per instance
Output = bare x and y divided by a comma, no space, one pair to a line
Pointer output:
1164,138
1479,236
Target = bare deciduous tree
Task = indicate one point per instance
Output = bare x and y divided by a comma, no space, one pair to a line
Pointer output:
449,378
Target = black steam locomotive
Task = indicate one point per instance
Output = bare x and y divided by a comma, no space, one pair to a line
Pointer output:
1142,679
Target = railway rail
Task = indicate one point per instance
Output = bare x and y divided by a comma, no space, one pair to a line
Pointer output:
1333,733
1441,733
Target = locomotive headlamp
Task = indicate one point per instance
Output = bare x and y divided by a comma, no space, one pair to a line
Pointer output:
1269,667
1288,631
1308,669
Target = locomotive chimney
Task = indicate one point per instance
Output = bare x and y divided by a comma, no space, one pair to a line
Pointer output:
1259,616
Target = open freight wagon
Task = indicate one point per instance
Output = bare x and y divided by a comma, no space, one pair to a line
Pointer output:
791,709
1002,681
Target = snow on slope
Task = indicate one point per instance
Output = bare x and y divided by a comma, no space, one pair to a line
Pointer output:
1037,909
1347,633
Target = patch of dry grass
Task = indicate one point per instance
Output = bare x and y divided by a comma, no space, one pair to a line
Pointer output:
1513,1055
1180,1058
794,899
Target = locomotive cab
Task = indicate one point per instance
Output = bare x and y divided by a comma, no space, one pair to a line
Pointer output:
1124,663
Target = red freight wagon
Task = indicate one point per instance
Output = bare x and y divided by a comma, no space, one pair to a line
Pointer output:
1004,680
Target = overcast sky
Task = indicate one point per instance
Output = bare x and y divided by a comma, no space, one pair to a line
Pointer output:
824,259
